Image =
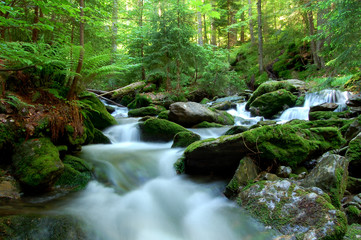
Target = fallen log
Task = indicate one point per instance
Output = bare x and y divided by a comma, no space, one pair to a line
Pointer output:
108,100
127,90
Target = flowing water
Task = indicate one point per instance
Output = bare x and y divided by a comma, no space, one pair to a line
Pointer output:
138,195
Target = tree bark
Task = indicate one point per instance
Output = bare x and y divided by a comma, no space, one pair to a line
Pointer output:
72,90
232,32
114,27
242,29
200,35
205,29
141,5
36,20
311,29
321,41
251,31
213,30
260,38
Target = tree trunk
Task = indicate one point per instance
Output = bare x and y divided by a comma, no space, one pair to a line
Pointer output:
36,20
72,90
232,32
251,31
205,29
320,42
213,30
114,27
260,38
242,28
200,35
141,5
311,28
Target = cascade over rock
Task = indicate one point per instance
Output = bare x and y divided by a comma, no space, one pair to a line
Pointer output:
189,114
295,211
272,145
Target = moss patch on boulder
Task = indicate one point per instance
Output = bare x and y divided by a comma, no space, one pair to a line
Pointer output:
37,163
143,111
163,115
184,139
206,124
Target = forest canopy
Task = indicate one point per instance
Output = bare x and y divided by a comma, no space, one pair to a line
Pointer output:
221,46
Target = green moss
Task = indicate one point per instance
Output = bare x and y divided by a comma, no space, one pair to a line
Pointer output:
206,124
140,101
197,144
143,111
300,170
353,232
164,115
126,100
184,139
74,140
268,87
300,101
37,163
235,130
271,103
180,166
99,137
325,115
8,136
155,129
205,101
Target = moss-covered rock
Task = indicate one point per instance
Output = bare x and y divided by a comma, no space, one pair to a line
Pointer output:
189,114
37,164
273,145
140,101
184,139
95,110
293,210
353,185
38,227
354,156
206,124
325,115
76,175
272,103
341,124
246,172
205,101
8,136
163,115
353,214
224,105
75,140
155,129
268,87
99,137
235,130
330,174
144,111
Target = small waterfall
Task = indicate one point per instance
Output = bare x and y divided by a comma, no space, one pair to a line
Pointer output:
127,131
314,99
209,132
242,116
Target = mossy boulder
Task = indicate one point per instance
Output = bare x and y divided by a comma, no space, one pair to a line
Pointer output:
268,87
140,101
246,172
330,174
99,137
273,145
189,114
184,139
270,104
354,129
325,115
74,140
163,115
144,111
77,173
159,130
353,185
341,124
39,227
292,210
37,164
353,214
354,156
226,105
206,124
95,110
235,130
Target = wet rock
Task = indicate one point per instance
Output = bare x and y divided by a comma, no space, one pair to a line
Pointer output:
155,129
100,138
354,100
224,105
247,171
270,104
235,130
284,171
330,174
110,109
184,139
9,188
287,145
205,124
324,107
268,87
189,114
354,129
38,227
37,164
269,176
354,156
353,185
144,111
293,210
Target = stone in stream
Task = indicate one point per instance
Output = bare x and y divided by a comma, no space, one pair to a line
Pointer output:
226,105
354,156
330,174
184,139
285,145
324,107
37,164
9,188
272,103
189,114
295,211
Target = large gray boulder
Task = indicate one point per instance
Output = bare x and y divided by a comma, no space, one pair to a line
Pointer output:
330,174
189,114
294,211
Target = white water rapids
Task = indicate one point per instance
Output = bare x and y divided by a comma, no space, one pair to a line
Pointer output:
138,196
